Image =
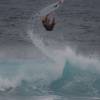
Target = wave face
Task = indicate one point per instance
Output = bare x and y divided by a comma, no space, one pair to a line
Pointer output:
76,81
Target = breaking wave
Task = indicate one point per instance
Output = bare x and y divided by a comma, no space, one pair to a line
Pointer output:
64,72
78,75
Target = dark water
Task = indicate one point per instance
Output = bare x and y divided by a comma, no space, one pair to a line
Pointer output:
60,65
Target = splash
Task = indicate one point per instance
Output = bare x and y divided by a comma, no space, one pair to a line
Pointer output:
60,56
78,74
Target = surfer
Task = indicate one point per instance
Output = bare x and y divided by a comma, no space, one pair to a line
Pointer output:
48,20
48,23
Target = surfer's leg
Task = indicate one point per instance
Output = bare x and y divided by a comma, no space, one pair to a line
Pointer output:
50,18
53,22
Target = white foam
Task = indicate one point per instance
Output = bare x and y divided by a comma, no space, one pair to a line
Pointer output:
6,83
60,56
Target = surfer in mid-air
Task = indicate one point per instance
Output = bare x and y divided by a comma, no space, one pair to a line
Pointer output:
48,23
48,20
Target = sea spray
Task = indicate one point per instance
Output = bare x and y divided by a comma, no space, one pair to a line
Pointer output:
78,74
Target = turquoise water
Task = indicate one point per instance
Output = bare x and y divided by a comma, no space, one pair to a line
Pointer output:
38,80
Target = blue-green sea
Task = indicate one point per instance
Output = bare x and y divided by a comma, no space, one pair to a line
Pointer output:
39,80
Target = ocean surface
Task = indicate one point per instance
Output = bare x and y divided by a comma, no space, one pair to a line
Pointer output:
63,64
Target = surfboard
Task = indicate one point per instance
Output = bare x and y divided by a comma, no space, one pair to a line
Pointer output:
50,8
